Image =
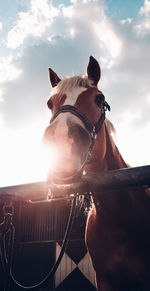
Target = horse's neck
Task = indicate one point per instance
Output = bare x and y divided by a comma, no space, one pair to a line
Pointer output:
112,201
105,155
113,158
116,203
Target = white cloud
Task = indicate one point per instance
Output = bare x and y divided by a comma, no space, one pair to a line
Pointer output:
32,23
130,116
69,11
73,20
126,21
108,37
144,26
145,10
1,26
1,122
95,24
65,43
134,145
8,71
148,99
1,98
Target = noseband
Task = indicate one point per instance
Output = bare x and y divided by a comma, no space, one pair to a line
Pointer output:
92,130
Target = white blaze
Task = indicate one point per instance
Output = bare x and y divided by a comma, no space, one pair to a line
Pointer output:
72,95
71,99
68,162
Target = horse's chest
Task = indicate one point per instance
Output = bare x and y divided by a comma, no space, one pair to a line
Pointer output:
111,250
120,255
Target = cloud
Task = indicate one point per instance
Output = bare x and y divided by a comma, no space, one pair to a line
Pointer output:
75,34
1,26
126,21
64,40
126,83
145,10
148,98
75,21
8,70
96,25
32,23
143,27
25,97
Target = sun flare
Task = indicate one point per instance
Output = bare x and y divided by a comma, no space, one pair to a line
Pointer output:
23,157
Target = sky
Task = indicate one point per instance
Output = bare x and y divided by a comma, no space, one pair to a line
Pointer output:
38,34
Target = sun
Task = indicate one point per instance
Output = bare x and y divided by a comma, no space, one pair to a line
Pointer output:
24,159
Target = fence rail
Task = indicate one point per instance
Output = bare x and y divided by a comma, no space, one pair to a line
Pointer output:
105,181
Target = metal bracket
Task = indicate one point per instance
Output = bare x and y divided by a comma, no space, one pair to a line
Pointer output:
52,198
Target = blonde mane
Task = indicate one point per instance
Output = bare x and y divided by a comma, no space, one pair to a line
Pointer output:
70,83
110,127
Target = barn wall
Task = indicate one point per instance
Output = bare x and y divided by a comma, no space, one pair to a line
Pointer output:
40,230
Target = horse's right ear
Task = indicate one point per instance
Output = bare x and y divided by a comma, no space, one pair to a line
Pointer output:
93,70
54,79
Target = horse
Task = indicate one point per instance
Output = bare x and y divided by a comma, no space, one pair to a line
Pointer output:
117,232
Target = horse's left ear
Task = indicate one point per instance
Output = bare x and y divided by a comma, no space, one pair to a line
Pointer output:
54,79
93,70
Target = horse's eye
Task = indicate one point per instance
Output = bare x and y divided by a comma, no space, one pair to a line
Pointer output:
50,104
99,99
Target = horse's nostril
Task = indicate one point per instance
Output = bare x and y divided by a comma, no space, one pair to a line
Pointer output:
79,134
73,132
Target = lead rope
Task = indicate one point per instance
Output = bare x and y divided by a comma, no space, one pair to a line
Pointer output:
7,260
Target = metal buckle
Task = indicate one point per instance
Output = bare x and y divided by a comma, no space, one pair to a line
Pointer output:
93,133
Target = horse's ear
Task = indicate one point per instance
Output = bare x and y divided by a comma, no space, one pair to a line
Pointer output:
54,79
93,70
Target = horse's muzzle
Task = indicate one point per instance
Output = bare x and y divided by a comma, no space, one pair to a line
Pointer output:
72,143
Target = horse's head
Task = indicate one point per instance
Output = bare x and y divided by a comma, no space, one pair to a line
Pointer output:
78,111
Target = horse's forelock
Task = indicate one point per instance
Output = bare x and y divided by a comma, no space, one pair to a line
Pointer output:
69,84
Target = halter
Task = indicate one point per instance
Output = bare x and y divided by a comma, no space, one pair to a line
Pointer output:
92,130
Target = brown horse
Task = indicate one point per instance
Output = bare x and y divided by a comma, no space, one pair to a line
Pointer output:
118,226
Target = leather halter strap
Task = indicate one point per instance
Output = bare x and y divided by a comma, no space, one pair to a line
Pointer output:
75,111
92,129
